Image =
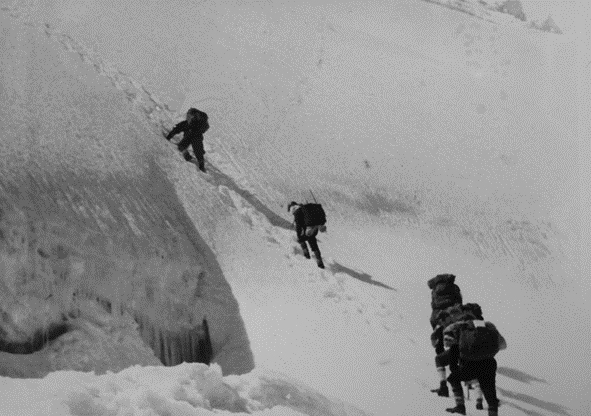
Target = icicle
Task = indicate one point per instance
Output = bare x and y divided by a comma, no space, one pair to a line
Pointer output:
172,347
192,347
169,344
207,347
176,350
162,349
176,347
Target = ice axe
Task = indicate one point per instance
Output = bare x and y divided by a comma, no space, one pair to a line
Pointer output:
313,197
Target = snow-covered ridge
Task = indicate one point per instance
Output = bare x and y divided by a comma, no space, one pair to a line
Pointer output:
498,11
88,211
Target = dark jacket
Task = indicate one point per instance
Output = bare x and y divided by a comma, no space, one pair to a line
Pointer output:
298,222
193,132
300,227
451,356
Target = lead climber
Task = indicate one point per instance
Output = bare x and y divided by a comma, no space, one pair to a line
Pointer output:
193,128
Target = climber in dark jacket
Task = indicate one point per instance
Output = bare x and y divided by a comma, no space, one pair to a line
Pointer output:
449,357
193,128
305,234
444,294
483,370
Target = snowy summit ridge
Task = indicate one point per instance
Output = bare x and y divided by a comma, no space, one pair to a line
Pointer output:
497,11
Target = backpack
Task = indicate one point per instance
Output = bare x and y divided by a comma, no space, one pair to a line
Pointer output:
204,122
452,314
200,123
448,316
444,292
479,340
448,279
445,295
313,214
474,309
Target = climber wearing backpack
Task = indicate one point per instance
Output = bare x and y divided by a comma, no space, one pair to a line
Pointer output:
443,319
448,316
193,128
473,344
308,219
444,294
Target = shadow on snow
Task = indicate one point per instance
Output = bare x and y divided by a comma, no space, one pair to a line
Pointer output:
221,178
336,267
519,375
549,406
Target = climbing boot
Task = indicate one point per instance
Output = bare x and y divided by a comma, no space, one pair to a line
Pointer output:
442,391
460,408
479,405
305,250
319,259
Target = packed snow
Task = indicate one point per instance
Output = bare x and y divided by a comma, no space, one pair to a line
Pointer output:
186,389
437,142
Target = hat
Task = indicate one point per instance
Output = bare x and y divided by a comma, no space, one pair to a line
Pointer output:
291,204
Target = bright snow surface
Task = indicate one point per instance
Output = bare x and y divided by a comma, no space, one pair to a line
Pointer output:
438,142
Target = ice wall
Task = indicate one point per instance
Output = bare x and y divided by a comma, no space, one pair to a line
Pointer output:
88,209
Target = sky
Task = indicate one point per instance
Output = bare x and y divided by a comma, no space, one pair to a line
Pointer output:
441,144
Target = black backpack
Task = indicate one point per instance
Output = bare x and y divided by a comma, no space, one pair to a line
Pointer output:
203,121
313,214
479,340
441,278
444,292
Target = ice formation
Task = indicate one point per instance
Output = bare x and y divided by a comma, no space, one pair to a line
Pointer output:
88,211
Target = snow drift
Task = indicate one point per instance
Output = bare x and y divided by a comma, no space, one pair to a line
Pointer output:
185,390
88,212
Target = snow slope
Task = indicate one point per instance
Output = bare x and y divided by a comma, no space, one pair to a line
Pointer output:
377,81
440,144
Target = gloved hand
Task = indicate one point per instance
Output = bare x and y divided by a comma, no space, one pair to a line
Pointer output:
436,336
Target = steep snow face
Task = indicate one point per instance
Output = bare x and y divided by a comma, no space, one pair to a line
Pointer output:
87,212
403,110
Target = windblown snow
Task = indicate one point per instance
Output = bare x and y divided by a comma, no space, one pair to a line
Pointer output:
438,140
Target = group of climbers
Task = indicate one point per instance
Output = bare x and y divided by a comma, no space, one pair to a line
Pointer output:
465,343
308,219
